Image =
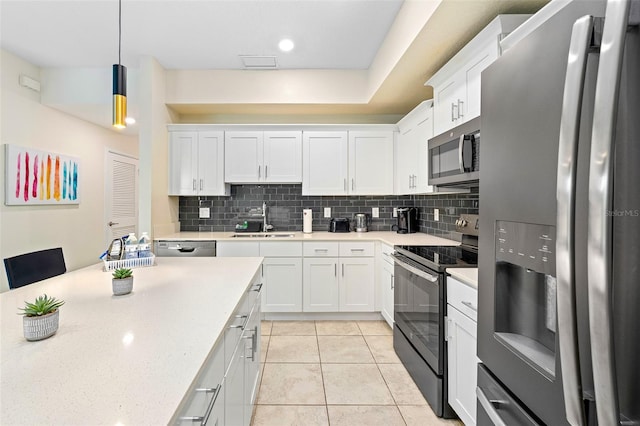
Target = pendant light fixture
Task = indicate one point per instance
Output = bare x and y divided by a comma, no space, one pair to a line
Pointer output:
119,82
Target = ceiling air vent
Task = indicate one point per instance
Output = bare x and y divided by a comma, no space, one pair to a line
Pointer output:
252,62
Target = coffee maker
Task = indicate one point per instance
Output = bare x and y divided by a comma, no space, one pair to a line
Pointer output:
407,220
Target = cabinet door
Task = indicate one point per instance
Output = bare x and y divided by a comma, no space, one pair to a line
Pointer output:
386,291
243,157
234,388
183,163
282,290
283,157
463,364
320,285
445,103
406,160
324,163
370,163
421,135
211,163
471,81
357,284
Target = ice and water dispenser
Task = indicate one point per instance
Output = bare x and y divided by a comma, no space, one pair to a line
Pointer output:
525,317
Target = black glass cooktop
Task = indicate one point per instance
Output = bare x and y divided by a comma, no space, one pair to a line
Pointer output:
442,257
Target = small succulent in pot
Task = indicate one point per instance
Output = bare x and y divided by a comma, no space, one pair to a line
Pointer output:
122,282
41,318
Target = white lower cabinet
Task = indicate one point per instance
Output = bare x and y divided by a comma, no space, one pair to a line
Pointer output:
462,349
343,281
320,285
386,282
282,285
357,284
234,389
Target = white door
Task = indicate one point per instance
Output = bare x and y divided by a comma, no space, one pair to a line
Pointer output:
406,161
463,364
370,163
121,196
471,77
320,285
357,284
282,289
183,163
421,135
283,157
324,163
243,157
211,163
445,102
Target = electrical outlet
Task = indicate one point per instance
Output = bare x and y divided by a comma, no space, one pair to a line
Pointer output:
327,212
436,215
205,213
375,212
395,212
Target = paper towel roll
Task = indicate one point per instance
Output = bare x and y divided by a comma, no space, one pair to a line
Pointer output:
307,216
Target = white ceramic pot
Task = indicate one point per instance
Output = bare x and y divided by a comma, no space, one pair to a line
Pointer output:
122,286
38,328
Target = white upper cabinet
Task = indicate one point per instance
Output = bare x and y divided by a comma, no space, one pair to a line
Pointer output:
324,163
411,170
347,163
263,157
456,86
370,163
196,163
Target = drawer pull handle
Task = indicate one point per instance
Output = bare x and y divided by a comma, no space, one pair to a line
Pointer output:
194,419
355,249
257,288
470,306
322,250
207,390
243,324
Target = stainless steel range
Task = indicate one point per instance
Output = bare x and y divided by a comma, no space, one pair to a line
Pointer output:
420,302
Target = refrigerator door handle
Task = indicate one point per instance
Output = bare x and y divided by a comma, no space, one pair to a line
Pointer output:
600,203
565,196
489,407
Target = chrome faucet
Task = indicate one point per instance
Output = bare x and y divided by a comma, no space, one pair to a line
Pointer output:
265,226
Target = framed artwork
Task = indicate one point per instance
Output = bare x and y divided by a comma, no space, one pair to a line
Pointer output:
33,176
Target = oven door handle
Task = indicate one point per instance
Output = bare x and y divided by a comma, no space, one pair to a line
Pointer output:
422,274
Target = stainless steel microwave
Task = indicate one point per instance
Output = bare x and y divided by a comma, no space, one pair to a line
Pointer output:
454,156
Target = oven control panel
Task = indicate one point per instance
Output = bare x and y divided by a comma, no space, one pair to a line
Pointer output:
528,245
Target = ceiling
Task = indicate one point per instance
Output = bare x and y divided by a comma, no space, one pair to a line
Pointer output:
214,34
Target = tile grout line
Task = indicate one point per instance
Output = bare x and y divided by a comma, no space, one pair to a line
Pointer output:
324,390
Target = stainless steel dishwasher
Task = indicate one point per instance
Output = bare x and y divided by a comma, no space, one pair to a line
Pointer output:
185,248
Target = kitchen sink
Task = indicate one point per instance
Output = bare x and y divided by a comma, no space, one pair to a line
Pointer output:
262,236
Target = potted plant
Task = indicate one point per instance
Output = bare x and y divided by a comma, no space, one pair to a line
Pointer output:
40,319
122,282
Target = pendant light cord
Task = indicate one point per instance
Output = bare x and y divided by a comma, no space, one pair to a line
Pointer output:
119,30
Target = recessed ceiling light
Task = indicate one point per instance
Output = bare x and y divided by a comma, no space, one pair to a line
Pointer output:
130,120
286,45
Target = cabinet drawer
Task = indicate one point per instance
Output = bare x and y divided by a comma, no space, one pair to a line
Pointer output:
320,249
462,297
281,249
352,249
386,251
238,249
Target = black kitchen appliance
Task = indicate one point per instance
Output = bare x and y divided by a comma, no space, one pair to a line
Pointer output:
339,224
420,307
558,316
407,220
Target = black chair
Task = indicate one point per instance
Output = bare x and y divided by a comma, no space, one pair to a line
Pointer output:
32,267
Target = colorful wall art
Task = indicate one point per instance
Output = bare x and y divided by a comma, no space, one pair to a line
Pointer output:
33,176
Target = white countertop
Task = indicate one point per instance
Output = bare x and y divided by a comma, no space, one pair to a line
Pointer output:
468,276
390,238
118,360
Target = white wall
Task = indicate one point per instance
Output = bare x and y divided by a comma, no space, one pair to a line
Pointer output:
24,121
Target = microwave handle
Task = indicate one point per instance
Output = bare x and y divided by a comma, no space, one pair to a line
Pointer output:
460,156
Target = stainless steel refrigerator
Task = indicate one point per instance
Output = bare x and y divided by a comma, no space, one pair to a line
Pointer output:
559,269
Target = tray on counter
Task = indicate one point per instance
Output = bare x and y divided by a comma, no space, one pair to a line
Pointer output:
139,262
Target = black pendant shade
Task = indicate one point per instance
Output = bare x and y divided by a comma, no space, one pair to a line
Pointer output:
119,95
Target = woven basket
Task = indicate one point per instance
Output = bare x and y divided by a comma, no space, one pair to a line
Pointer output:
38,328
122,286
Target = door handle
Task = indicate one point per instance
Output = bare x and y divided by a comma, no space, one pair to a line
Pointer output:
460,156
343,269
335,269
565,194
491,407
453,106
470,306
353,184
600,202
194,184
266,171
460,105
258,172
111,223
345,184
201,184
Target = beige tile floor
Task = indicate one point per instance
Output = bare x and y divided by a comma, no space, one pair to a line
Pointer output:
336,373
